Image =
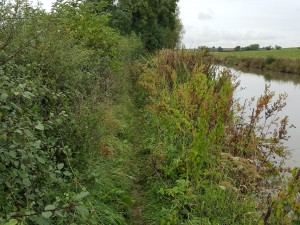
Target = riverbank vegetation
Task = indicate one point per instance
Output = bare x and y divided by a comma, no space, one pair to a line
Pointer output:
283,60
291,53
208,159
96,130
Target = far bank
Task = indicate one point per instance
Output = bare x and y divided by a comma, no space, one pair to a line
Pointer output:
285,60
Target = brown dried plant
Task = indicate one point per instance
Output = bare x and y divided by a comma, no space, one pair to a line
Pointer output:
259,136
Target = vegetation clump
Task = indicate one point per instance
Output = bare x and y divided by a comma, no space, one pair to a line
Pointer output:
208,158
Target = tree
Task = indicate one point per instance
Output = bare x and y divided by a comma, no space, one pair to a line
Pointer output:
277,47
254,46
155,21
268,47
220,49
237,48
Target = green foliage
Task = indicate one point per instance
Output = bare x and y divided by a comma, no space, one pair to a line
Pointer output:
68,128
34,108
204,152
156,22
88,28
31,144
285,208
237,48
189,109
281,60
56,71
252,47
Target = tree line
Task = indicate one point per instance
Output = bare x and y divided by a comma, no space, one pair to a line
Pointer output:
156,22
252,47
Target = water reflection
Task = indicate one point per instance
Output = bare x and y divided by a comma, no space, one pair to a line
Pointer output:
269,76
253,83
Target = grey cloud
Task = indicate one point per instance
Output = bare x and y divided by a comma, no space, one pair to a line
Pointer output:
209,37
246,36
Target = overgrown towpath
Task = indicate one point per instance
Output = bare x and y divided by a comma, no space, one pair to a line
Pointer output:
136,165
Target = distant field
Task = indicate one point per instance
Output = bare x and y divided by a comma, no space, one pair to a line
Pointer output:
283,53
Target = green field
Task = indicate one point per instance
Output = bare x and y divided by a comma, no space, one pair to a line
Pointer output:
283,53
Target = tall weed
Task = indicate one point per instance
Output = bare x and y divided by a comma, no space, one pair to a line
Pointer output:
197,151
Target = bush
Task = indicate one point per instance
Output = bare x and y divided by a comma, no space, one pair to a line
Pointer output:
56,71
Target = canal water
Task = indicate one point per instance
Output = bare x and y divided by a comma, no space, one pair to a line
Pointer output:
253,85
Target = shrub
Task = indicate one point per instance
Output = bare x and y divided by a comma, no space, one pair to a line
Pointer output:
56,71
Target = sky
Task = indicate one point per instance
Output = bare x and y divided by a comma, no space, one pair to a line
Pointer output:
46,3
229,23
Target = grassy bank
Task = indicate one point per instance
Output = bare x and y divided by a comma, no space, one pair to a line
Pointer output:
284,60
290,53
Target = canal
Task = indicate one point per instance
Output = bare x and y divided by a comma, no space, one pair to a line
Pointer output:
252,84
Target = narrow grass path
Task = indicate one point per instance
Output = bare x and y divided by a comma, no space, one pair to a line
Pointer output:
137,165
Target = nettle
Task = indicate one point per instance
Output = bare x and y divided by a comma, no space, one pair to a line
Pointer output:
32,150
56,69
36,103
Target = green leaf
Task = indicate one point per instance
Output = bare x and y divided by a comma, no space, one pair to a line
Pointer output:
16,106
12,222
3,97
40,127
40,160
22,86
50,207
47,214
28,133
26,182
27,94
127,201
81,195
82,210
67,173
41,221
18,131
37,144
60,166
13,154
3,136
